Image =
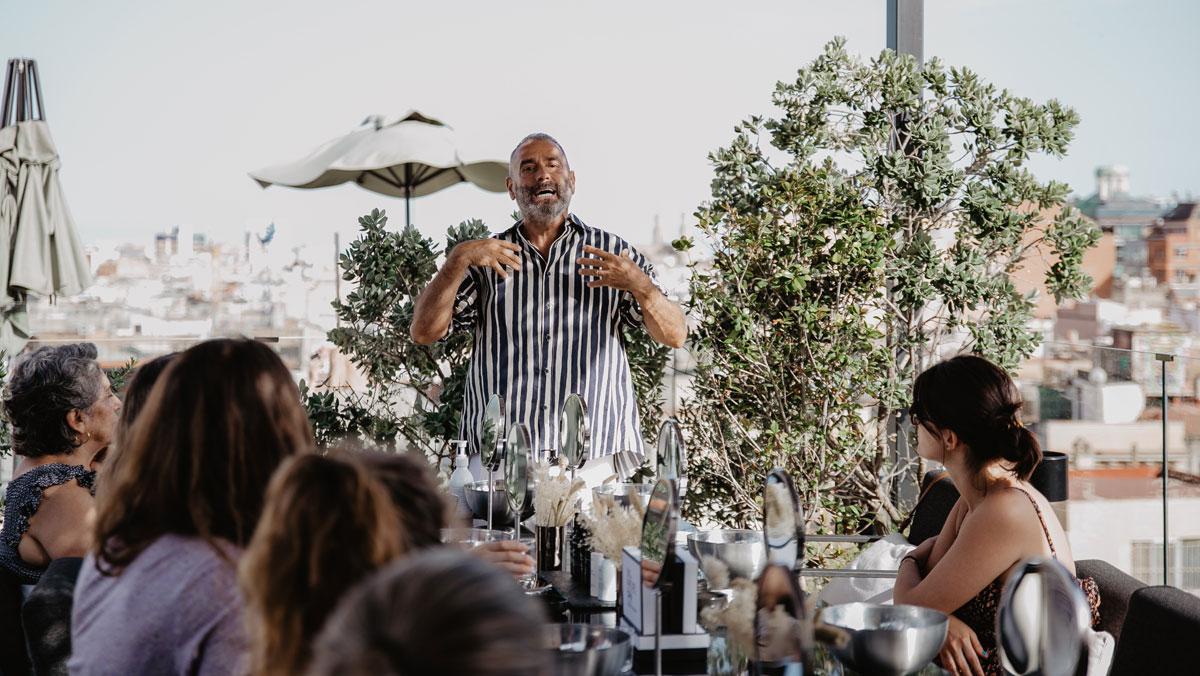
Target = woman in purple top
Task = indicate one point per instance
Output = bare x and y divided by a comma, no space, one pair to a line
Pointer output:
176,505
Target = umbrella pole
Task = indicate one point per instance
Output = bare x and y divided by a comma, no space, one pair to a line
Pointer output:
407,193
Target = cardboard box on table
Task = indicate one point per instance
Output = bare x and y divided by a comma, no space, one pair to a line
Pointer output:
680,629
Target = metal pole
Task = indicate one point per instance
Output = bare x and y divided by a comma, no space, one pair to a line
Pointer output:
337,277
37,90
906,27
407,194
21,116
658,631
1164,358
905,35
10,81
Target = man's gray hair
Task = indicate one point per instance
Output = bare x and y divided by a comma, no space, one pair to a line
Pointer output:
46,385
538,136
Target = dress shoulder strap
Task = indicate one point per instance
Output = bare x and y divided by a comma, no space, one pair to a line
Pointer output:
1041,519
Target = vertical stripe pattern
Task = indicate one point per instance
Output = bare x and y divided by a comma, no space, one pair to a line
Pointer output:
542,335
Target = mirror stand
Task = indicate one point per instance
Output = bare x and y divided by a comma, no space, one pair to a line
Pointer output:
658,631
491,490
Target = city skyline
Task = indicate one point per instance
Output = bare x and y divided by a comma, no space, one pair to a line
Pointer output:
159,111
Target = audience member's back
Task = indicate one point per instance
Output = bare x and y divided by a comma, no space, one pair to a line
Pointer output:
176,504
436,612
326,525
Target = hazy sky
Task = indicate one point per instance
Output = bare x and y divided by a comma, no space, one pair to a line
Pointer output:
160,108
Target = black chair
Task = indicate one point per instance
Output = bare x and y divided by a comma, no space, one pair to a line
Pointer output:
938,496
1116,588
14,659
47,616
1160,634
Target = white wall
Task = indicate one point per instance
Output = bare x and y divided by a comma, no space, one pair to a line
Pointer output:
1106,529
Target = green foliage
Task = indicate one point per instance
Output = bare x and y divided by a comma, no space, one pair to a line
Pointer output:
414,394
874,223
415,391
647,363
119,376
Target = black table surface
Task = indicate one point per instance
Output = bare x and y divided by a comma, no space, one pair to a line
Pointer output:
576,598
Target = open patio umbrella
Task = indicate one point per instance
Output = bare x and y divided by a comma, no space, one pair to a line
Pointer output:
40,252
407,157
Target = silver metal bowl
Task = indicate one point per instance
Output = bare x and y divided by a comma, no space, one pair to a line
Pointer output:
588,650
887,639
742,551
623,494
477,501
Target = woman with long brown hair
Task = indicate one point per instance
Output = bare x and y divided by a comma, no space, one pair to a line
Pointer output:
175,507
326,525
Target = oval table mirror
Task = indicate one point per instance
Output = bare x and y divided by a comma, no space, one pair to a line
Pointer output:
1042,619
658,531
491,438
783,522
574,437
492,433
516,473
657,547
518,490
782,631
672,455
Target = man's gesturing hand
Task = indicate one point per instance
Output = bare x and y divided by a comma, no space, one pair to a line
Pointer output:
619,272
493,253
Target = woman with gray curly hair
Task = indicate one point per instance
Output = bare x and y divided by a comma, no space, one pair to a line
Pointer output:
63,412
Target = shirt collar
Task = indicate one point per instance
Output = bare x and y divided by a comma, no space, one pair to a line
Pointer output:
572,221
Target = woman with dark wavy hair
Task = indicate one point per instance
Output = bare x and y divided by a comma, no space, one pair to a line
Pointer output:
175,507
63,412
967,415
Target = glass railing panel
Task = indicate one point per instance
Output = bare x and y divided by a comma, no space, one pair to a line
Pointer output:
1103,408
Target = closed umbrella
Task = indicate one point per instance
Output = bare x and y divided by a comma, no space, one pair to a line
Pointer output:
407,157
40,252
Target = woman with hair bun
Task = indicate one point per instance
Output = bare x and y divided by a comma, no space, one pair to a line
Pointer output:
966,412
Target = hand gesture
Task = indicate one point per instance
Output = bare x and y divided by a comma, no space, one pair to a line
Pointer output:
961,652
493,253
509,555
608,269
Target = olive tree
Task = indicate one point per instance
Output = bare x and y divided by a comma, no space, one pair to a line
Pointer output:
872,223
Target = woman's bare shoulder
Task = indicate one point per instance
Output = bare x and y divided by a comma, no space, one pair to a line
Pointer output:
1009,508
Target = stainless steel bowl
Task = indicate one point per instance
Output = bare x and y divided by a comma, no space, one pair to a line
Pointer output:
887,639
477,501
623,494
588,650
742,551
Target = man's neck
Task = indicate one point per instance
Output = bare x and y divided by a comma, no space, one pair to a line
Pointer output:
542,234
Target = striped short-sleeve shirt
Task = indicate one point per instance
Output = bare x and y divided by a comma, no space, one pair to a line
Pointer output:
542,335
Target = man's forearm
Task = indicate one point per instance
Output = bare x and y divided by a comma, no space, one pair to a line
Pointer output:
664,319
435,306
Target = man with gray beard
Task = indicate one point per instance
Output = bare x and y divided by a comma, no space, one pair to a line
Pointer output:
547,300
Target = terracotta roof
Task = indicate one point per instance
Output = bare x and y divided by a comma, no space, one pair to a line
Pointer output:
1129,482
